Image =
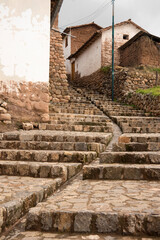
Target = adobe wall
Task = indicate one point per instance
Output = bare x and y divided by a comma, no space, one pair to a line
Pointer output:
82,35
144,51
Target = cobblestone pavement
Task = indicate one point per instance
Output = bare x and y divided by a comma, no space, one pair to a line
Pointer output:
109,196
18,194
12,188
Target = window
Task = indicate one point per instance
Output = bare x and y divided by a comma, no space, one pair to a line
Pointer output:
125,36
66,41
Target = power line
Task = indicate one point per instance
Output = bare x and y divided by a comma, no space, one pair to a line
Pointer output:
92,15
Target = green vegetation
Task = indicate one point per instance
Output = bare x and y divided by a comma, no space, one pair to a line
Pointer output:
155,91
105,69
154,69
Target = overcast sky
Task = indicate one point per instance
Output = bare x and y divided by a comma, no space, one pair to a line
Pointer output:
146,13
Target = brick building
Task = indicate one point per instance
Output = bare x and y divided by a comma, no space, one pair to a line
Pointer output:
74,37
97,51
142,49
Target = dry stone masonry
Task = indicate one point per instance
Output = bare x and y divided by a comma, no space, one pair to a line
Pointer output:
58,80
5,117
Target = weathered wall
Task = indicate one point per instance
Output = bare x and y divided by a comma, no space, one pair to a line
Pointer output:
128,29
24,57
89,61
143,51
26,98
24,41
58,84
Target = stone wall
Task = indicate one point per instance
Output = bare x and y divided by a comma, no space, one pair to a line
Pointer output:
58,85
143,51
126,79
147,102
26,100
5,117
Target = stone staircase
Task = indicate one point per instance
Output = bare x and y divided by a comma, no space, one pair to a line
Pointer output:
118,193
35,164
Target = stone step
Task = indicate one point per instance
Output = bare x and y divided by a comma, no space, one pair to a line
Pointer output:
73,104
47,156
67,146
139,138
57,136
112,207
122,172
24,235
79,117
18,194
81,121
77,111
40,170
123,113
143,129
137,147
76,127
130,157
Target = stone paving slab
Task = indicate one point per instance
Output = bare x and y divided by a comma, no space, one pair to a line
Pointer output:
18,194
50,236
120,207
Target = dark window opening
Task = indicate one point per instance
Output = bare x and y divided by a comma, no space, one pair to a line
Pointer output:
66,42
125,37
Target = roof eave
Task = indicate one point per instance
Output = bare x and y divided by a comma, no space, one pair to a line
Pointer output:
55,12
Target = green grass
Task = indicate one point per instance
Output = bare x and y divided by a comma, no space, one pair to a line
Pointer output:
105,69
154,69
155,91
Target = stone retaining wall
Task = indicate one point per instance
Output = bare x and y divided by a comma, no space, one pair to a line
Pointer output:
147,102
126,80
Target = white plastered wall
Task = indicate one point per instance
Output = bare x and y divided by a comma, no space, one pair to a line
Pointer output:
67,52
24,40
128,29
90,60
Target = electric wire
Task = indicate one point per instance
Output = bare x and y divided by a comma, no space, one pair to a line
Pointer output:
90,16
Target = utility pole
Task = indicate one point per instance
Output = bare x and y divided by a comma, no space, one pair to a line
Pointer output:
113,50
